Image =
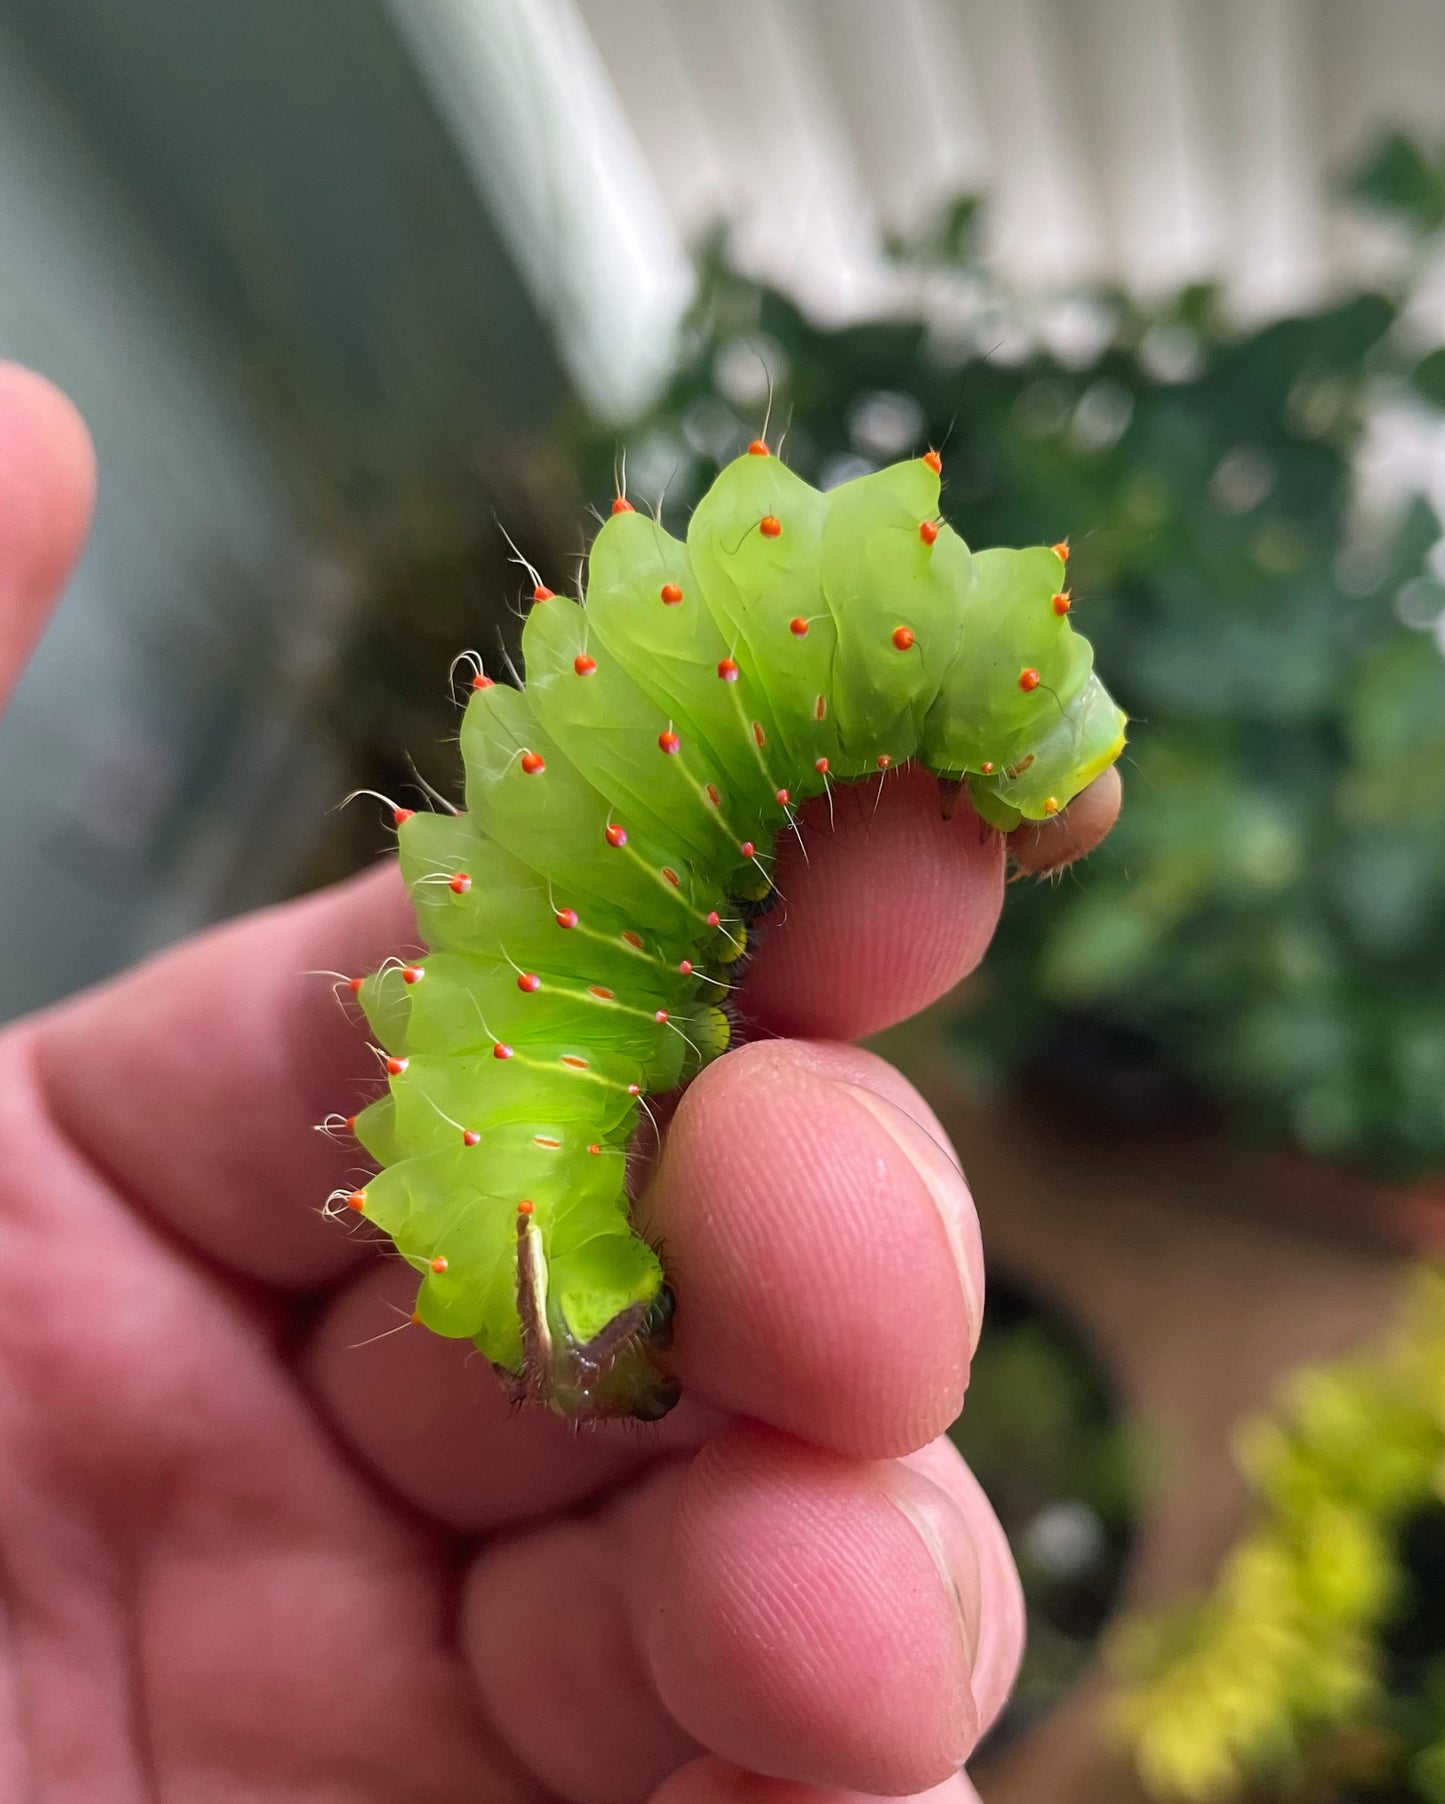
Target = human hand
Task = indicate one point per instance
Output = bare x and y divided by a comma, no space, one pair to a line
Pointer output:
250,1551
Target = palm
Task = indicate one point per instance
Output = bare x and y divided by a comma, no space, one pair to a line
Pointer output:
205,1597
254,1546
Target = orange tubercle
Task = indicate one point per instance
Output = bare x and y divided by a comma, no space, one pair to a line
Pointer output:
671,594
934,462
622,505
669,742
528,982
1061,603
902,638
758,448
928,532
770,526
1028,680
615,835
583,665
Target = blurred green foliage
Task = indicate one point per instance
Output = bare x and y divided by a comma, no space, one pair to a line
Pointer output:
1266,928
1315,1672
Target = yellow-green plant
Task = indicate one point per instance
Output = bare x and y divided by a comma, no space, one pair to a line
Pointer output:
1288,1681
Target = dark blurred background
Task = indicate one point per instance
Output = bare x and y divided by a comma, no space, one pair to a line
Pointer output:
351,291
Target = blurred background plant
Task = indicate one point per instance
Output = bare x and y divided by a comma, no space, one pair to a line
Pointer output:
1260,934
1315,1672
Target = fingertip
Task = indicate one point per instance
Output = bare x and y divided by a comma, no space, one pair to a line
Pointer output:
47,492
1039,847
808,1625
824,1248
889,907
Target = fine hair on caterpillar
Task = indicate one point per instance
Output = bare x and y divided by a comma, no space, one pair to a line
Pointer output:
588,912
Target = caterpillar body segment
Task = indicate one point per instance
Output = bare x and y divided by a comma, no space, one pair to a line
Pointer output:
621,817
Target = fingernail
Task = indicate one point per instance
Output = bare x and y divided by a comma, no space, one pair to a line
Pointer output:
944,1531
935,1164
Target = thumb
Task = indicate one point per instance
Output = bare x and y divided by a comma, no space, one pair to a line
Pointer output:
47,488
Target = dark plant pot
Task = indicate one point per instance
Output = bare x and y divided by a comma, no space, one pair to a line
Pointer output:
1047,1435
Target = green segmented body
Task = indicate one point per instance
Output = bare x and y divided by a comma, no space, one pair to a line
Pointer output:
583,912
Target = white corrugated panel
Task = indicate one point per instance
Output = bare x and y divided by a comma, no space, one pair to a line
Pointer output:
1152,141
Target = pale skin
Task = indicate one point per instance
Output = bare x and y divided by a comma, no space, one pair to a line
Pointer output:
247,1559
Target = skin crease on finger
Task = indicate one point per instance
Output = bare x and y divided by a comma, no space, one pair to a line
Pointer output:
712,1781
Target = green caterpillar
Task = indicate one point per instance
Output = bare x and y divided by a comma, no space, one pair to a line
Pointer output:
621,813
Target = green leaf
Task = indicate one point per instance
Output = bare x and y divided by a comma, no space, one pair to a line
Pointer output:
1428,378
